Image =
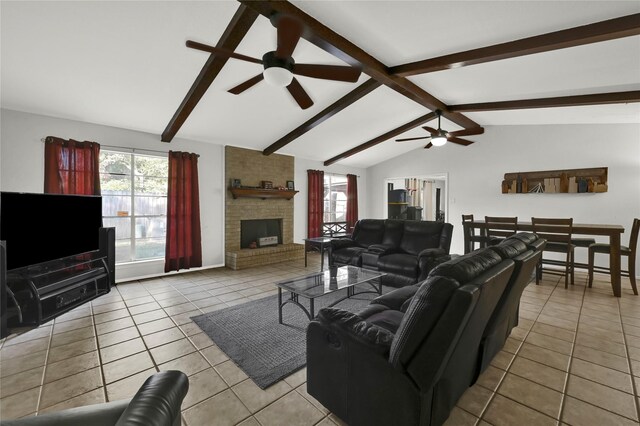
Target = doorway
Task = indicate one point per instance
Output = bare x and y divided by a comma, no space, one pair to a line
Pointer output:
417,197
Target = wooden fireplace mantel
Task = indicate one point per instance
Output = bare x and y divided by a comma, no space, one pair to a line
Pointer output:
261,193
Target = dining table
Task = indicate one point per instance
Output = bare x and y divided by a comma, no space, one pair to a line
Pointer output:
614,233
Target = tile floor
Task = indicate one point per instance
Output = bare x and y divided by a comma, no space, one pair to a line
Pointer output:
574,359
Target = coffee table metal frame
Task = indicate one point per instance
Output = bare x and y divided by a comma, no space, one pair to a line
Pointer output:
321,280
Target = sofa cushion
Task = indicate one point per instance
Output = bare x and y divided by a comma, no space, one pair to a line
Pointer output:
401,264
348,256
423,313
396,299
465,268
420,235
393,230
510,248
387,319
368,232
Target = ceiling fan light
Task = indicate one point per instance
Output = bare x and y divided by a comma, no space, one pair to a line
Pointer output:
438,140
276,76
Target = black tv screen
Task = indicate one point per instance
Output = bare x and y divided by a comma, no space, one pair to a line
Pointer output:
43,227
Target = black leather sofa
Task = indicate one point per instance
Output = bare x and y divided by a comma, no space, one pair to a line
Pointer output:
156,403
406,250
409,356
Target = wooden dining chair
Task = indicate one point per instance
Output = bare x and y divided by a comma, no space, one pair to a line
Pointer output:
497,228
557,232
472,236
629,251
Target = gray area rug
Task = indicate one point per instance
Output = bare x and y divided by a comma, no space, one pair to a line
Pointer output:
267,351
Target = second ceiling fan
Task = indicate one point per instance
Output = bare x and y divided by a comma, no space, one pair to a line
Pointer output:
279,66
440,137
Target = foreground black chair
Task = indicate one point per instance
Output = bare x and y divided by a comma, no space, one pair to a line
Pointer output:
408,357
629,251
157,403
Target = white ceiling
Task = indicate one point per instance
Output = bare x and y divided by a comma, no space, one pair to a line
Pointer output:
124,64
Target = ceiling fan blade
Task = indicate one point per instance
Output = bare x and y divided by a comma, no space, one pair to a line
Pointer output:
299,94
221,52
467,132
429,145
460,141
412,139
328,72
247,84
289,32
430,130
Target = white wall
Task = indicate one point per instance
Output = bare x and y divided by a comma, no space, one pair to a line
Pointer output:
22,169
476,172
300,200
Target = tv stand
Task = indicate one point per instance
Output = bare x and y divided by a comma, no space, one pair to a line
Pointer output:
39,293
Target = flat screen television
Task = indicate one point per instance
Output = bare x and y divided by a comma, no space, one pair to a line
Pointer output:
42,227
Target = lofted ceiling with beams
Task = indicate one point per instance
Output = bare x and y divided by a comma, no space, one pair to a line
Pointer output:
125,64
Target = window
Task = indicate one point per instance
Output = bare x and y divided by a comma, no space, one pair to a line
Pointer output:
335,198
134,201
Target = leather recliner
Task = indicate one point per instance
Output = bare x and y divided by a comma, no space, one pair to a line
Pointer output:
156,403
505,315
405,250
409,356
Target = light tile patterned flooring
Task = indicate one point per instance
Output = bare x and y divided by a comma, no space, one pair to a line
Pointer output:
573,359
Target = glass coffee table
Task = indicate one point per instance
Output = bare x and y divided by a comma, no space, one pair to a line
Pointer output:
326,282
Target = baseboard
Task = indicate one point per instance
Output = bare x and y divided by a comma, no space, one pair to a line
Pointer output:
164,274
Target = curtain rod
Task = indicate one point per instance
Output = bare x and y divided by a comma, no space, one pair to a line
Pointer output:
133,150
338,174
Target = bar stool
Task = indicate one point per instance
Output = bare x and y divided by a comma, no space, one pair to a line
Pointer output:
629,251
499,228
557,232
471,235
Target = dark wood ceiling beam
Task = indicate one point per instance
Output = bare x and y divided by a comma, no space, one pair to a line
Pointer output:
611,29
240,24
328,40
348,99
560,101
386,136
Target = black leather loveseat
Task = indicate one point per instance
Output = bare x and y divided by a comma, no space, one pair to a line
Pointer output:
409,356
406,250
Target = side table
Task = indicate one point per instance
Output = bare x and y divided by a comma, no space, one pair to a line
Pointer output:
320,244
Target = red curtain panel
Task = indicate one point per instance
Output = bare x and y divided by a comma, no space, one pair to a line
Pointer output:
71,167
315,208
184,245
352,201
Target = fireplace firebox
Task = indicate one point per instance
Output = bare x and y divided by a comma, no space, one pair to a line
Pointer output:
251,231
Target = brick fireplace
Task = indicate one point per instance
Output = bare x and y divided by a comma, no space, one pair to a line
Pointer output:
252,167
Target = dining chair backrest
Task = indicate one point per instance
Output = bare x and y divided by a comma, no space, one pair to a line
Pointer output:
467,218
552,229
500,227
633,238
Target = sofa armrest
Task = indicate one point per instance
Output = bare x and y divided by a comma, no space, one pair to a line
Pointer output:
432,252
340,243
382,249
158,401
350,326
396,298
97,414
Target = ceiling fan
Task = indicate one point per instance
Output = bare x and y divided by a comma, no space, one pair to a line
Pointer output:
440,137
279,66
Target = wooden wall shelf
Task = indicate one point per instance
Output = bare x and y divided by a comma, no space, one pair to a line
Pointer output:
261,193
556,181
